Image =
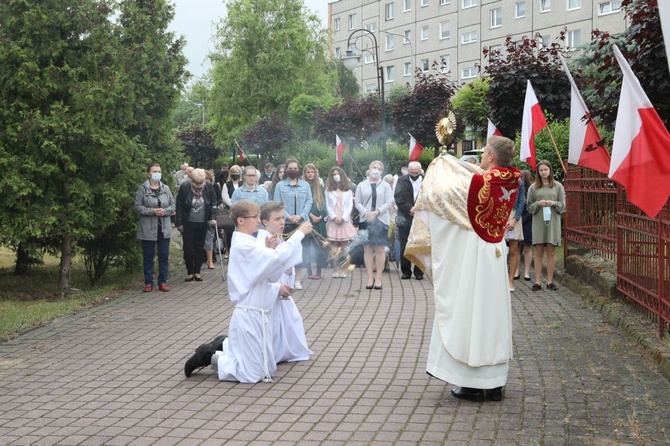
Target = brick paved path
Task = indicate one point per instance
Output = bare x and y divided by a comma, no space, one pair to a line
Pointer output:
113,375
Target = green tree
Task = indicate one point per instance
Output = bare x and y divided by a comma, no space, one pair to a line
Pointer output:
269,52
72,115
470,105
301,112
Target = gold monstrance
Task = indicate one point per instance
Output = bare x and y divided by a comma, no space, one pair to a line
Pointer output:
444,130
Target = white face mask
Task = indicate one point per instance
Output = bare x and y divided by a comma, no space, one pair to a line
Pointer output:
375,174
156,177
337,178
403,171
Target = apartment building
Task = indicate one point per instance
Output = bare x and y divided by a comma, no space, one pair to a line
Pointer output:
453,33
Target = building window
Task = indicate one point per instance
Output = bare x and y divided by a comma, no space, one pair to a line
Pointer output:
390,42
609,7
408,37
469,3
389,11
494,52
574,38
467,146
469,37
496,17
338,53
545,40
390,73
545,5
445,63
336,24
425,65
425,3
370,88
369,57
424,32
352,21
407,5
468,73
444,2
445,29
408,69
573,4
520,10
371,27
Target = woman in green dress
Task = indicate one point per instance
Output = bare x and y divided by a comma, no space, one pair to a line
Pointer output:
314,252
546,203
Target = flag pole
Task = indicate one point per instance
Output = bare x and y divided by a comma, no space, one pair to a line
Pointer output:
560,159
355,165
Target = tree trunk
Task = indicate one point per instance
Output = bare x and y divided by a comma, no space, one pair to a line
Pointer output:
65,264
22,261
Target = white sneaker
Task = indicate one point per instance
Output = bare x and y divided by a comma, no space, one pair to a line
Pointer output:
298,285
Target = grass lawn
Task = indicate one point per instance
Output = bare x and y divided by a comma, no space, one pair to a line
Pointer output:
32,300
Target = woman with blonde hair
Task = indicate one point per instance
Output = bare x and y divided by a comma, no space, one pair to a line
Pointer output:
339,204
373,201
546,202
313,251
277,176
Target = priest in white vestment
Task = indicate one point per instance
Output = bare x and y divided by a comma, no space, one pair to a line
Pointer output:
289,342
457,238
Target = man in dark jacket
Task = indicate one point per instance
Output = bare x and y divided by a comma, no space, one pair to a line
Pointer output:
406,191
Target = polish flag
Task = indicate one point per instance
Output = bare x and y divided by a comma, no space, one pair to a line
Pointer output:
492,130
586,146
533,122
339,150
641,148
415,149
241,156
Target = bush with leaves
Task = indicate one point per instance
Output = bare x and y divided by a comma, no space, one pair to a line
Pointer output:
358,119
418,112
642,45
526,59
199,145
266,137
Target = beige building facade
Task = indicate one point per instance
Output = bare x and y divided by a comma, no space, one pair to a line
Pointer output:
452,33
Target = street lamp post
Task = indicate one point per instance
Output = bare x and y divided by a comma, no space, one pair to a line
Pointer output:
351,61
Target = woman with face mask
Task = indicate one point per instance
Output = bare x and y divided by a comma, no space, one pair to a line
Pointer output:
373,201
235,180
197,208
339,203
155,204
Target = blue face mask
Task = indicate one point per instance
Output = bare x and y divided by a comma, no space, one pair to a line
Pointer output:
156,177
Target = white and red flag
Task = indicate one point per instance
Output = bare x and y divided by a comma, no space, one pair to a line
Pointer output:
533,122
641,148
241,156
586,146
415,148
492,130
339,150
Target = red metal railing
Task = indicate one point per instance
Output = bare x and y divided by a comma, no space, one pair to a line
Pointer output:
601,221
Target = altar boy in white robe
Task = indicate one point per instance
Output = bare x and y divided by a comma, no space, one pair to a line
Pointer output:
289,342
457,237
246,355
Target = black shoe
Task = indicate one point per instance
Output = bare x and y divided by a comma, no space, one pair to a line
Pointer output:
369,287
551,286
495,394
201,358
406,276
536,287
419,277
217,342
468,393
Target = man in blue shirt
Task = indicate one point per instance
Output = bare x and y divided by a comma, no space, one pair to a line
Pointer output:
250,190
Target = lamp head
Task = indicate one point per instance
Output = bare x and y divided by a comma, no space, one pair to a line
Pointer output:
350,60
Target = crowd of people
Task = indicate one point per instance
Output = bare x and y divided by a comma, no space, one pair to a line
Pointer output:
292,224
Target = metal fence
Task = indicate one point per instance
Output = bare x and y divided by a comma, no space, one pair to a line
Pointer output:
600,221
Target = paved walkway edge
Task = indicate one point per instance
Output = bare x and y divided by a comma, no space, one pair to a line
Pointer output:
597,287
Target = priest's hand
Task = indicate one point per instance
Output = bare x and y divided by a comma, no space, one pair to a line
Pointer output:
305,228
